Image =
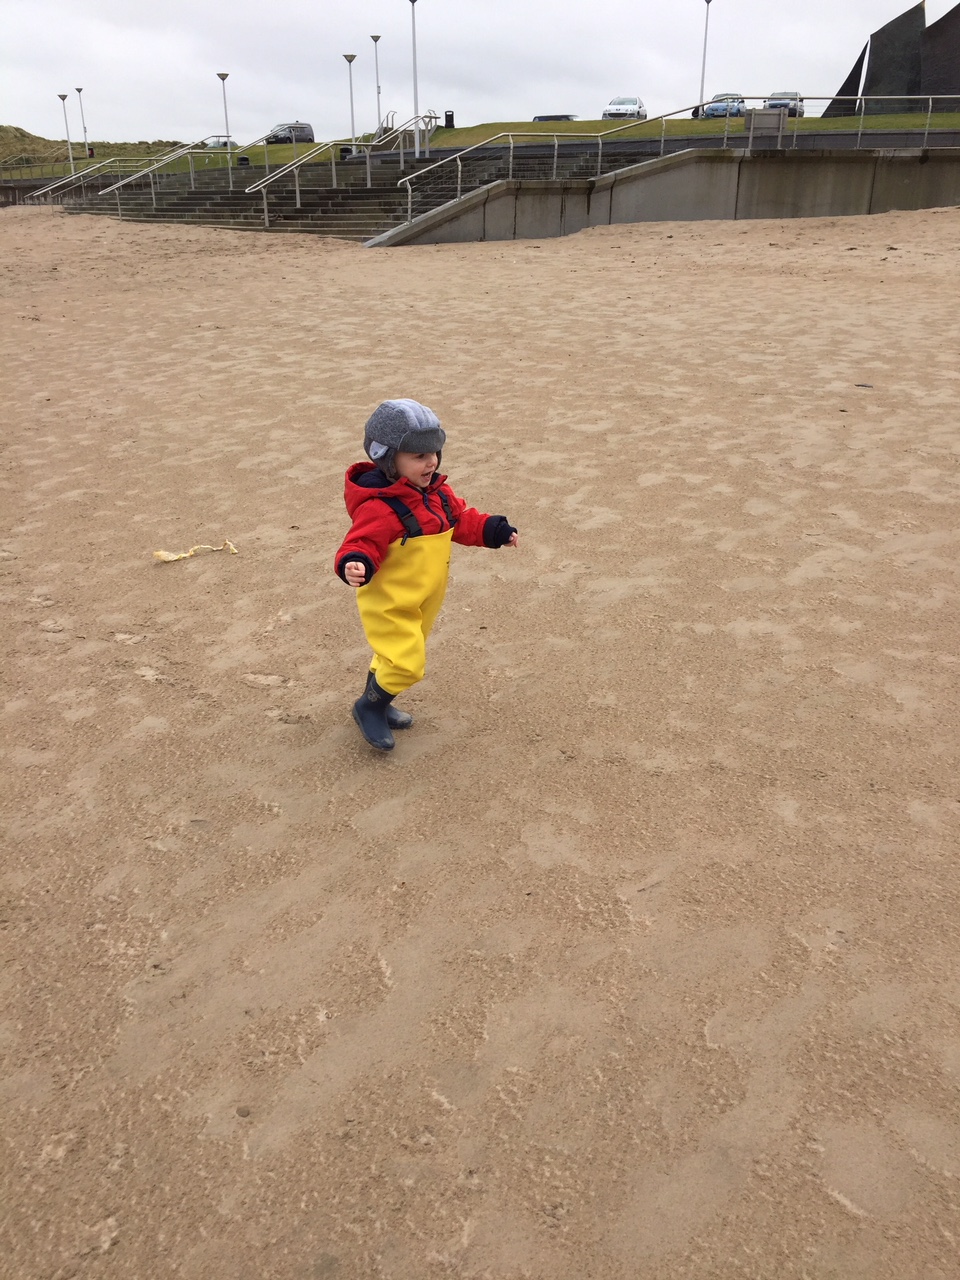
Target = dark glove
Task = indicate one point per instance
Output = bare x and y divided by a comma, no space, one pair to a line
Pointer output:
497,531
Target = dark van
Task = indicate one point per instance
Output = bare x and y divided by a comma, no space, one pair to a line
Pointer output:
295,132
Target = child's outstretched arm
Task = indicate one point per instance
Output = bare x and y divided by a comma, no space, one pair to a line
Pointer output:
362,550
475,529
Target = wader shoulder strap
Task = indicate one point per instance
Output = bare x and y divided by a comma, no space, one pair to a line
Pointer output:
447,509
411,524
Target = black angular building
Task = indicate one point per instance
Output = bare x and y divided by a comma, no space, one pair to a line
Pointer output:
904,56
940,58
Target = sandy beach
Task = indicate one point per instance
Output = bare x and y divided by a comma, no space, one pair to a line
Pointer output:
638,958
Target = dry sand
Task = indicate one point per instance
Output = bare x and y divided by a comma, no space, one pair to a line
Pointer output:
638,958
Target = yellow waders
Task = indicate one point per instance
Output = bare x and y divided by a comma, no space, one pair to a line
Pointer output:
400,605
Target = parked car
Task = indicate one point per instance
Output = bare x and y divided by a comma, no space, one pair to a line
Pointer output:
295,132
724,104
624,109
536,118
790,102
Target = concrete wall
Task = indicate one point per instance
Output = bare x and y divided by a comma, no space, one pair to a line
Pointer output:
507,210
782,185
669,190
698,185
924,181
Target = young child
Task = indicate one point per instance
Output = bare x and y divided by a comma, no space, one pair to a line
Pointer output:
397,553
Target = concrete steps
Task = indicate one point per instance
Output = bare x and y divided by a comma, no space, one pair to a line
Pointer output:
350,210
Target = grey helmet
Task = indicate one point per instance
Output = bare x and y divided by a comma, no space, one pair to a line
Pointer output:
401,426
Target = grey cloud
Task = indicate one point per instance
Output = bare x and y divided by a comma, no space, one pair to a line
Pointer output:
149,71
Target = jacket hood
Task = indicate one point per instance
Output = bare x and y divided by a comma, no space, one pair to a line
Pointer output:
356,492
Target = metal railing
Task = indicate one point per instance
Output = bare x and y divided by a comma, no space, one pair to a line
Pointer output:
151,172
389,138
19,161
185,159
61,186
697,111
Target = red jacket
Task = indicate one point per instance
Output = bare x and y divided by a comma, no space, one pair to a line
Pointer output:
435,509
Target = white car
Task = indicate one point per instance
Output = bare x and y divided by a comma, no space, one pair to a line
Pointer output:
789,101
624,109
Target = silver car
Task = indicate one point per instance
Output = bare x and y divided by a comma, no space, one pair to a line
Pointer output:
790,102
624,109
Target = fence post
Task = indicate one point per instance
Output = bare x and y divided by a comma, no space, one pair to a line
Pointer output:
193,182
663,135
929,114
863,106
510,170
556,149
369,179
266,211
599,154
459,177
153,192
296,183
726,127
333,168
409,200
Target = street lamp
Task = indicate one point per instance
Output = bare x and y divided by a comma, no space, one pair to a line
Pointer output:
86,144
703,68
222,77
376,74
63,99
353,128
416,103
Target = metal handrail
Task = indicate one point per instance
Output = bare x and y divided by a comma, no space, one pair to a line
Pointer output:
368,144
44,165
510,136
164,160
262,142
428,120
78,179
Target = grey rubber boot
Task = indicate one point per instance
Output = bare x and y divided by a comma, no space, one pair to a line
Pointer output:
396,718
370,712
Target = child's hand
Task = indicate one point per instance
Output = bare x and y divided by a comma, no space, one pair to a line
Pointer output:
355,573
512,541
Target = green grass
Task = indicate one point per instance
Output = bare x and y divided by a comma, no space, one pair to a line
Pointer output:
40,158
683,128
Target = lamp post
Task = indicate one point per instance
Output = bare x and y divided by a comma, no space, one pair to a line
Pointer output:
703,67
86,144
416,101
222,77
376,75
63,99
349,57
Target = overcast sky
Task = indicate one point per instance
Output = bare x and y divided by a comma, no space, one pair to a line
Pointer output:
148,67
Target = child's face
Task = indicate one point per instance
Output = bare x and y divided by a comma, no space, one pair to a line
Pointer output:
418,468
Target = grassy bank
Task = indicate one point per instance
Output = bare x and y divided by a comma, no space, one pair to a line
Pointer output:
684,128
24,155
